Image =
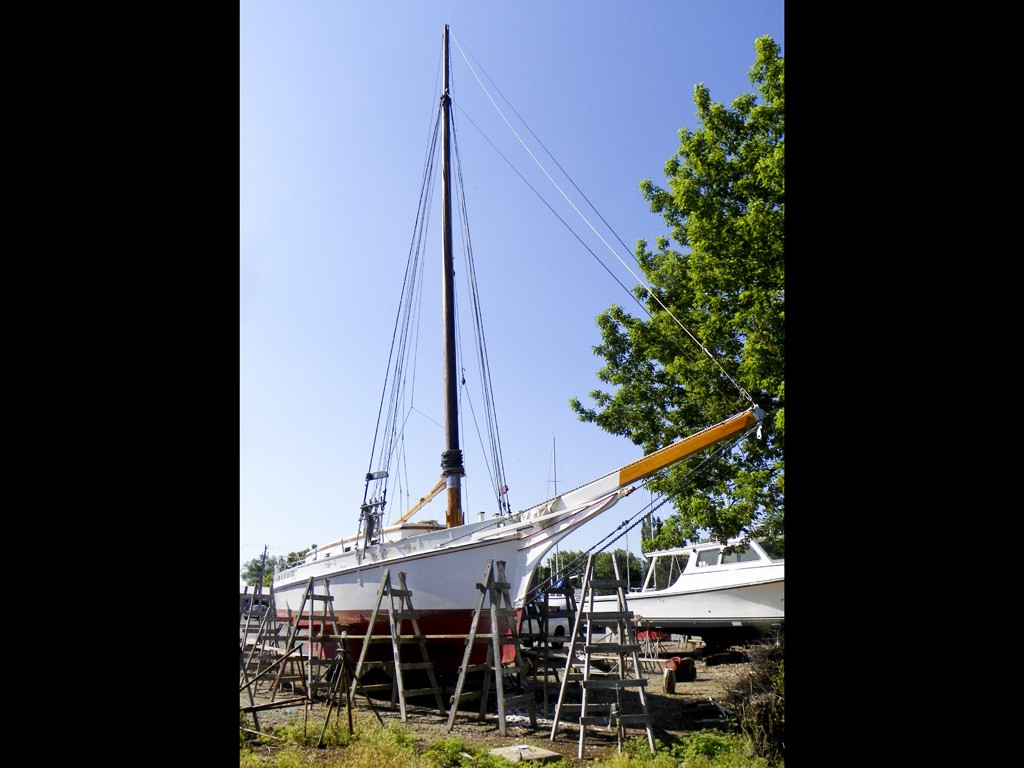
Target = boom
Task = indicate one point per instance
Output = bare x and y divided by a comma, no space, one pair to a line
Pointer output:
652,462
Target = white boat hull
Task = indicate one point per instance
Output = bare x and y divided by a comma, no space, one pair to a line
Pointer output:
442,570
758,605
721,603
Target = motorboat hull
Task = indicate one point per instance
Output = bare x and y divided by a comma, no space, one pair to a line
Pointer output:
721,602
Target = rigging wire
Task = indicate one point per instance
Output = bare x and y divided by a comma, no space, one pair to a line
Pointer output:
497,470
679,348
586,221
396,408
404,333
637,518
404,345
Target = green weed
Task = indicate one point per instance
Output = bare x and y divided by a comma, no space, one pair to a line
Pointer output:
715,749
294,745
452,752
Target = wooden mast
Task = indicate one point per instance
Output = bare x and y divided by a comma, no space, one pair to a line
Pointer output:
452,469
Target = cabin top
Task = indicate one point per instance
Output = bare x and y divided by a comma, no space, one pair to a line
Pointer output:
717,553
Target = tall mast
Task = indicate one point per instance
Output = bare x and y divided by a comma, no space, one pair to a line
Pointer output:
452,469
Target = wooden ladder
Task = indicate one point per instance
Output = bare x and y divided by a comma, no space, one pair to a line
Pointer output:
548,653
397,613
504,631
340,683
263,648
613,716
321,629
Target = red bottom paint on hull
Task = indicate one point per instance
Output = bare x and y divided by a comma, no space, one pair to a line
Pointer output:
445,633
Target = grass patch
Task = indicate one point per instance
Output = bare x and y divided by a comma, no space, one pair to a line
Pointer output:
294,745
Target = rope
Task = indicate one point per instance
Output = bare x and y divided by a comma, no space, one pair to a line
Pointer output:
629,523
586,221
497,470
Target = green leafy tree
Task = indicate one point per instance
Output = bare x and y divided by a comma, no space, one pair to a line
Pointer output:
251,572
251,569
718,281
574,563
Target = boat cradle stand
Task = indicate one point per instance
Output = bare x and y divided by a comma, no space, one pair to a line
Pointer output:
627,657
504,631
400,608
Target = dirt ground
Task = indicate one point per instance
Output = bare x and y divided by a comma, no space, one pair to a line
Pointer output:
690,706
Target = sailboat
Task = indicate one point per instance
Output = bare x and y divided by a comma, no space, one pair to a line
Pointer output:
443,563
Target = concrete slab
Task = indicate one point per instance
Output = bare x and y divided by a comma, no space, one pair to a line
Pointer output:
520,753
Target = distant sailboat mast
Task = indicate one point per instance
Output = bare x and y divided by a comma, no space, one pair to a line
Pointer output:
554,466
554,481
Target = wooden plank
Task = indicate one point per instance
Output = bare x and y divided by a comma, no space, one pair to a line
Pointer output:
610,649
615,682
377,687
597,720
275,704
386,665
422,691
635,719
606,617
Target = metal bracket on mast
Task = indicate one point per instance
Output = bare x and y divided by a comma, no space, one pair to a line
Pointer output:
452,472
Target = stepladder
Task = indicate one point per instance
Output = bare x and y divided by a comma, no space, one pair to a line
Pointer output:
604,695
494,602
548,620
397,601
259,633
314,647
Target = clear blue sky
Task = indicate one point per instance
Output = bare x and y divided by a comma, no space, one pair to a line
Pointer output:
335,105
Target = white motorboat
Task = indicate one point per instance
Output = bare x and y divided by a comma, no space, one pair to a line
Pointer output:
725,593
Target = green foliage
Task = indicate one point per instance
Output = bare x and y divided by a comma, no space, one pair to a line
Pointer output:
640,760
762,715
574,563
251,569
778,679
674,532
703,749
447,753
715,749
308,734
760,703
295,744
251,572
287,757
398,735
637,752
452,752
721,277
